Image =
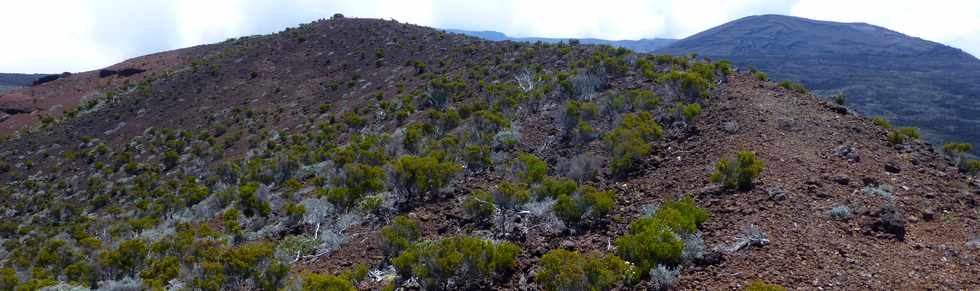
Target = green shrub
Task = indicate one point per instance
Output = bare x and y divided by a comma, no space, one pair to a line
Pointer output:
590,204
568,270
972,166
326,282
243,260
553,188
738,173
170,159
530,168
476,157
653,240
8,279
691,84
760,286
725,67
127,258
353,121
903,135
793,86
691,111
479,205
370,204
761,76
839,98
467,260
250,202
649,242
358,180
161,271
630,141
955,148
575,120
510,195
882,122
230,221
399,235
420,176
681,216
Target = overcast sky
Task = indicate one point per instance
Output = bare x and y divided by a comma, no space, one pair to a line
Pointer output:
48,36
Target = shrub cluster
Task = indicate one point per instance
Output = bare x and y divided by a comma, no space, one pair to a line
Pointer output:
882,122
903,135
630,142
460,259
569,270
588,204
417,177
399,235
738,173
793,86
654,240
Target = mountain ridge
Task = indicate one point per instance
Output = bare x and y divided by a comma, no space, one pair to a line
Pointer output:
911,81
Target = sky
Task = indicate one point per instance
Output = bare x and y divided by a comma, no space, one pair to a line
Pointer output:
51,36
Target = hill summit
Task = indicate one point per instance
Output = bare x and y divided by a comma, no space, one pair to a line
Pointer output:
370,154
905,79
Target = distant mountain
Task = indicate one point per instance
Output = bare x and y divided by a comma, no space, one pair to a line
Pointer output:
13,81
908,80
641,45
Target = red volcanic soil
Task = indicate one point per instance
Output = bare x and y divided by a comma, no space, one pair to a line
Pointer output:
25,107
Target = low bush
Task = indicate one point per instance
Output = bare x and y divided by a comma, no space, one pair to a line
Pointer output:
466,261
738,173
882,122
510,195
663,277
691,111
840,213
839,98
653,240
399,235
793,86
476,157
972,166
589,204
250,203
326,282
417,177
630,141
479,205
761,76
568,270
357,181
530,169
903,135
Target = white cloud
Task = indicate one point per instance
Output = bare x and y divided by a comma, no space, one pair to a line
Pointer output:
952,22
55,36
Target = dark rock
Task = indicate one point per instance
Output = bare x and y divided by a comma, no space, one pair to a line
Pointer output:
892,167
891,221
848,153
841,179
867,181
710,259
776,194
928,215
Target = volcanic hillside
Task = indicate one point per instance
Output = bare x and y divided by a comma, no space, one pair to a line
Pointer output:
371,154
881,72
